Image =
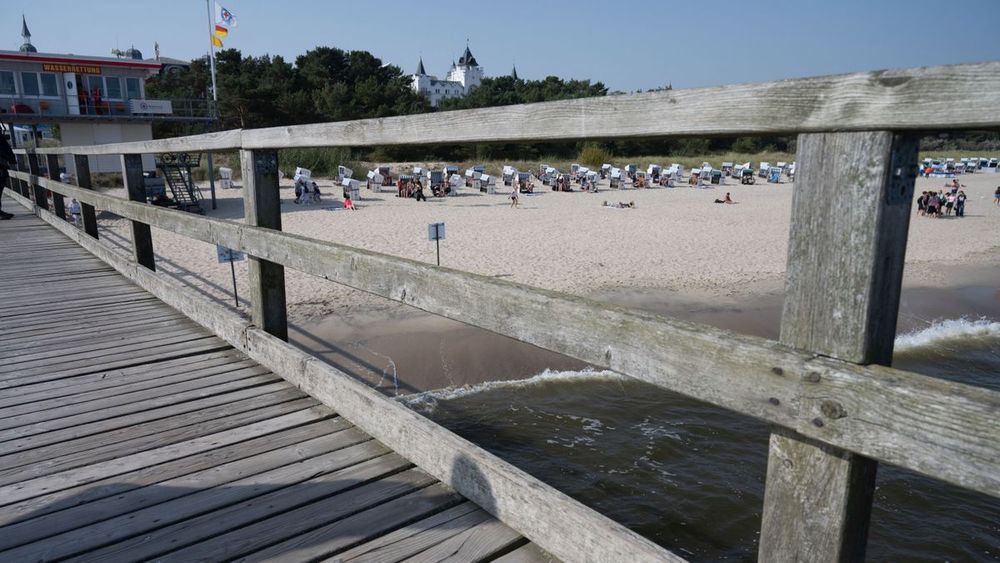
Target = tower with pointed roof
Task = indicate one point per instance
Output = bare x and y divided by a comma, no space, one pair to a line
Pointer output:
462,78
513,72
26,47
467,71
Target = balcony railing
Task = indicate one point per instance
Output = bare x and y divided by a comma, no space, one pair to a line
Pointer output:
36,109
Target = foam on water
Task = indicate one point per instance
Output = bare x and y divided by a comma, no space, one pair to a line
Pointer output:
949,331
427,401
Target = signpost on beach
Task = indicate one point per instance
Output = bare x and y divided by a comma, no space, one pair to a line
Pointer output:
435,232
230,255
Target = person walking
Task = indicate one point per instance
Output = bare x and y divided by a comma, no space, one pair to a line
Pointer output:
7,160
960,203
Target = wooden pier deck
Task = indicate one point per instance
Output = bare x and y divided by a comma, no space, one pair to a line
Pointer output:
128,432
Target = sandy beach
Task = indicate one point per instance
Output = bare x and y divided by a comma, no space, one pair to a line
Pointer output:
676,252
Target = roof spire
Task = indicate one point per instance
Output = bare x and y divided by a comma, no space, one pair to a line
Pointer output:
26,47
513,72
420,67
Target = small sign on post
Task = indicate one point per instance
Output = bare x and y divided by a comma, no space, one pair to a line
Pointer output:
230,255
435,232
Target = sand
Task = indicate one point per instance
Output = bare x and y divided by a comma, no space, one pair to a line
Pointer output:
675,246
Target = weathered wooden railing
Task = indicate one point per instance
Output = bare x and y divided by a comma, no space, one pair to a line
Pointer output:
836,411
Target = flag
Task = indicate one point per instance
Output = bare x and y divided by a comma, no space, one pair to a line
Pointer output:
224,16
216,42
221,32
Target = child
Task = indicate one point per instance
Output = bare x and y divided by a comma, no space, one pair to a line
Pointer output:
74,211
513,196
349,203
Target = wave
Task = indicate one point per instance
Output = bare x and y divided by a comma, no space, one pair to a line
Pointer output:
427,401
951,331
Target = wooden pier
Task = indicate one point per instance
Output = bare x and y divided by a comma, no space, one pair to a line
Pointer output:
320,461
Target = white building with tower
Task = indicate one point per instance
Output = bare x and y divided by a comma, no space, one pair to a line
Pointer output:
462,78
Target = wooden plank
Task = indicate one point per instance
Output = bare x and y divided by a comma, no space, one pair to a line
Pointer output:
216,141
262,208
359,528
109,381
530,553
117,520
126,415
913,99
185,476
91,394
910,99
941,429
58,205
347,468
65,335
142,237
119,484
109,407
304,524
96,448
845,271
416,536
481,542
37,192
42,485
82,163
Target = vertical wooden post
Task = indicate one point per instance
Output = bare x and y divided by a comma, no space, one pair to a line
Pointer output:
58,203
262,208
41,200
82,163
16,183
850,216
142,237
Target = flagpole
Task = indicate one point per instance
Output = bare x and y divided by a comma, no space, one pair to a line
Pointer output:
215,93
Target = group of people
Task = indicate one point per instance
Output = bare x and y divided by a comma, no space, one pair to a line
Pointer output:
306,191
931,204
410,188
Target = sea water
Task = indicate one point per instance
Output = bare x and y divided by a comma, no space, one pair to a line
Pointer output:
690,476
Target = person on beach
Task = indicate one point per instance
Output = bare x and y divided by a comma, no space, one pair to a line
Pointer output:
727,200
933,205
418,192
922,204
7,160
349,203
960,203
74,211
949,204
996,196
513,196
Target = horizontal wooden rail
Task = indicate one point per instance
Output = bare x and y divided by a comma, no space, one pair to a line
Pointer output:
939,428
558,523
897,100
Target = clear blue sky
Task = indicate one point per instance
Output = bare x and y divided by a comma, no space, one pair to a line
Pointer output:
627,44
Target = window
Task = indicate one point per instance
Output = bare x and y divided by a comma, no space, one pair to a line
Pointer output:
132,88
50,85
95,83
29,83
7,83
114,90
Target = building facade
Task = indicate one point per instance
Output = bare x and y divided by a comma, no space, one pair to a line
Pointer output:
93,100
462,78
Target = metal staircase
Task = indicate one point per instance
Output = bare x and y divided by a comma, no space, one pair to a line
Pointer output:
176,170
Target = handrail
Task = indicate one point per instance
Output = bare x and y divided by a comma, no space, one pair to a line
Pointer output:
910,99
878,411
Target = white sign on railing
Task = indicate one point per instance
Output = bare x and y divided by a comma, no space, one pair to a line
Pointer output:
151,106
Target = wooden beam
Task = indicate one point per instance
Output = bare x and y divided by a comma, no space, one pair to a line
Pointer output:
217,141
52,165
82,163
37,191
262,208
939,428
911,99
850,216
142,237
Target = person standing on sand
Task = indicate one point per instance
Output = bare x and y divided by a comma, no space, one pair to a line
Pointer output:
513,196
996,196
960,203
7,159
922,203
